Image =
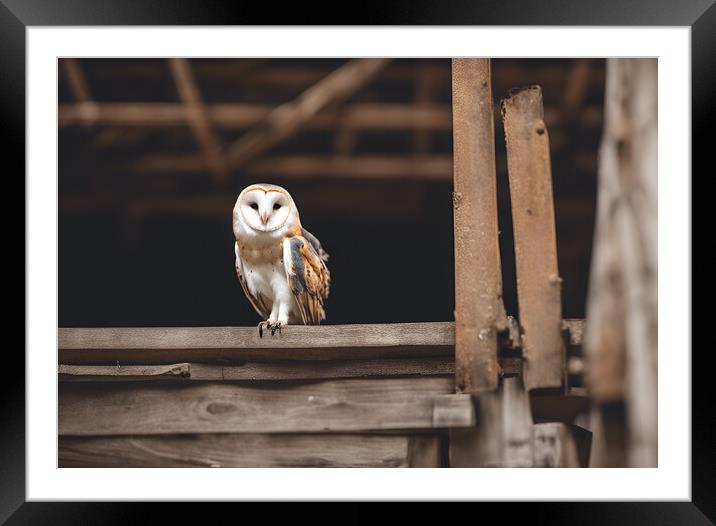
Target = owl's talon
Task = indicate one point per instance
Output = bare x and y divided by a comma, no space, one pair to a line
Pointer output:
261,328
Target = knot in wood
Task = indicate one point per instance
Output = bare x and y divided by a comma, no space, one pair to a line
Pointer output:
555,279
218,408
456,198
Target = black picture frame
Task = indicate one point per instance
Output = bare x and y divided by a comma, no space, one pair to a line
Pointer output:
700,15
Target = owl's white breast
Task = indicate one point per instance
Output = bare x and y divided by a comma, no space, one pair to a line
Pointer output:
265,273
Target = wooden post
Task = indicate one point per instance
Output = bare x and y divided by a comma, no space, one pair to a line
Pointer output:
479,312
538,281
622,350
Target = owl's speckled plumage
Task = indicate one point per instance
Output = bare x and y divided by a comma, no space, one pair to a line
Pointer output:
280,264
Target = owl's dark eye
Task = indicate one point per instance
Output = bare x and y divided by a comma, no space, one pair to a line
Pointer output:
254,206
276,206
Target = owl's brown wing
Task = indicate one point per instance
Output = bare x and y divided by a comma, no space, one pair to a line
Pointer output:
308,276
313,240
258,302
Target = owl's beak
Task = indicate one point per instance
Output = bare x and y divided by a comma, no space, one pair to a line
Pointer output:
264,218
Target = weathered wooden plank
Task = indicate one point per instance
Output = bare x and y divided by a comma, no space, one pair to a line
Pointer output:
128,373
424,451
538,281
226,344
250,451
482,445
346,348
453,411
231,407
479,312
306,370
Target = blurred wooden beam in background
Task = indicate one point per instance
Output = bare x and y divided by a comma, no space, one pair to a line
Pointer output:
576,88
197,117
286,77
424,95
80,91
437,167
287,119
358,115
378,197
76,80
622,305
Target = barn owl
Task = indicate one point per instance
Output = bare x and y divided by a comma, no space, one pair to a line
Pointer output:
280,264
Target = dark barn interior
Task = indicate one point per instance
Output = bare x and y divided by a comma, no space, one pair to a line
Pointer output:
144,214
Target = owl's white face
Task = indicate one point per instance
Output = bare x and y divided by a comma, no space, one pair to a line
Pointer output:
265,210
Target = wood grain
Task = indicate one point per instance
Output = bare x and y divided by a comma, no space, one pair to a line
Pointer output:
479,312
502,436
305,370
129,373
231,344
347,350
250,451
538,282
247,407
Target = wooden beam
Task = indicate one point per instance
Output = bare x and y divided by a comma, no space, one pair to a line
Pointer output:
271,75
479,312
424,88
354,116
288,118
144,408
365,167
433,168
87,108
376,194
287,78
313,370
76,80
250,451
576,88
222,344
229,345
538,281
128,373
197,117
